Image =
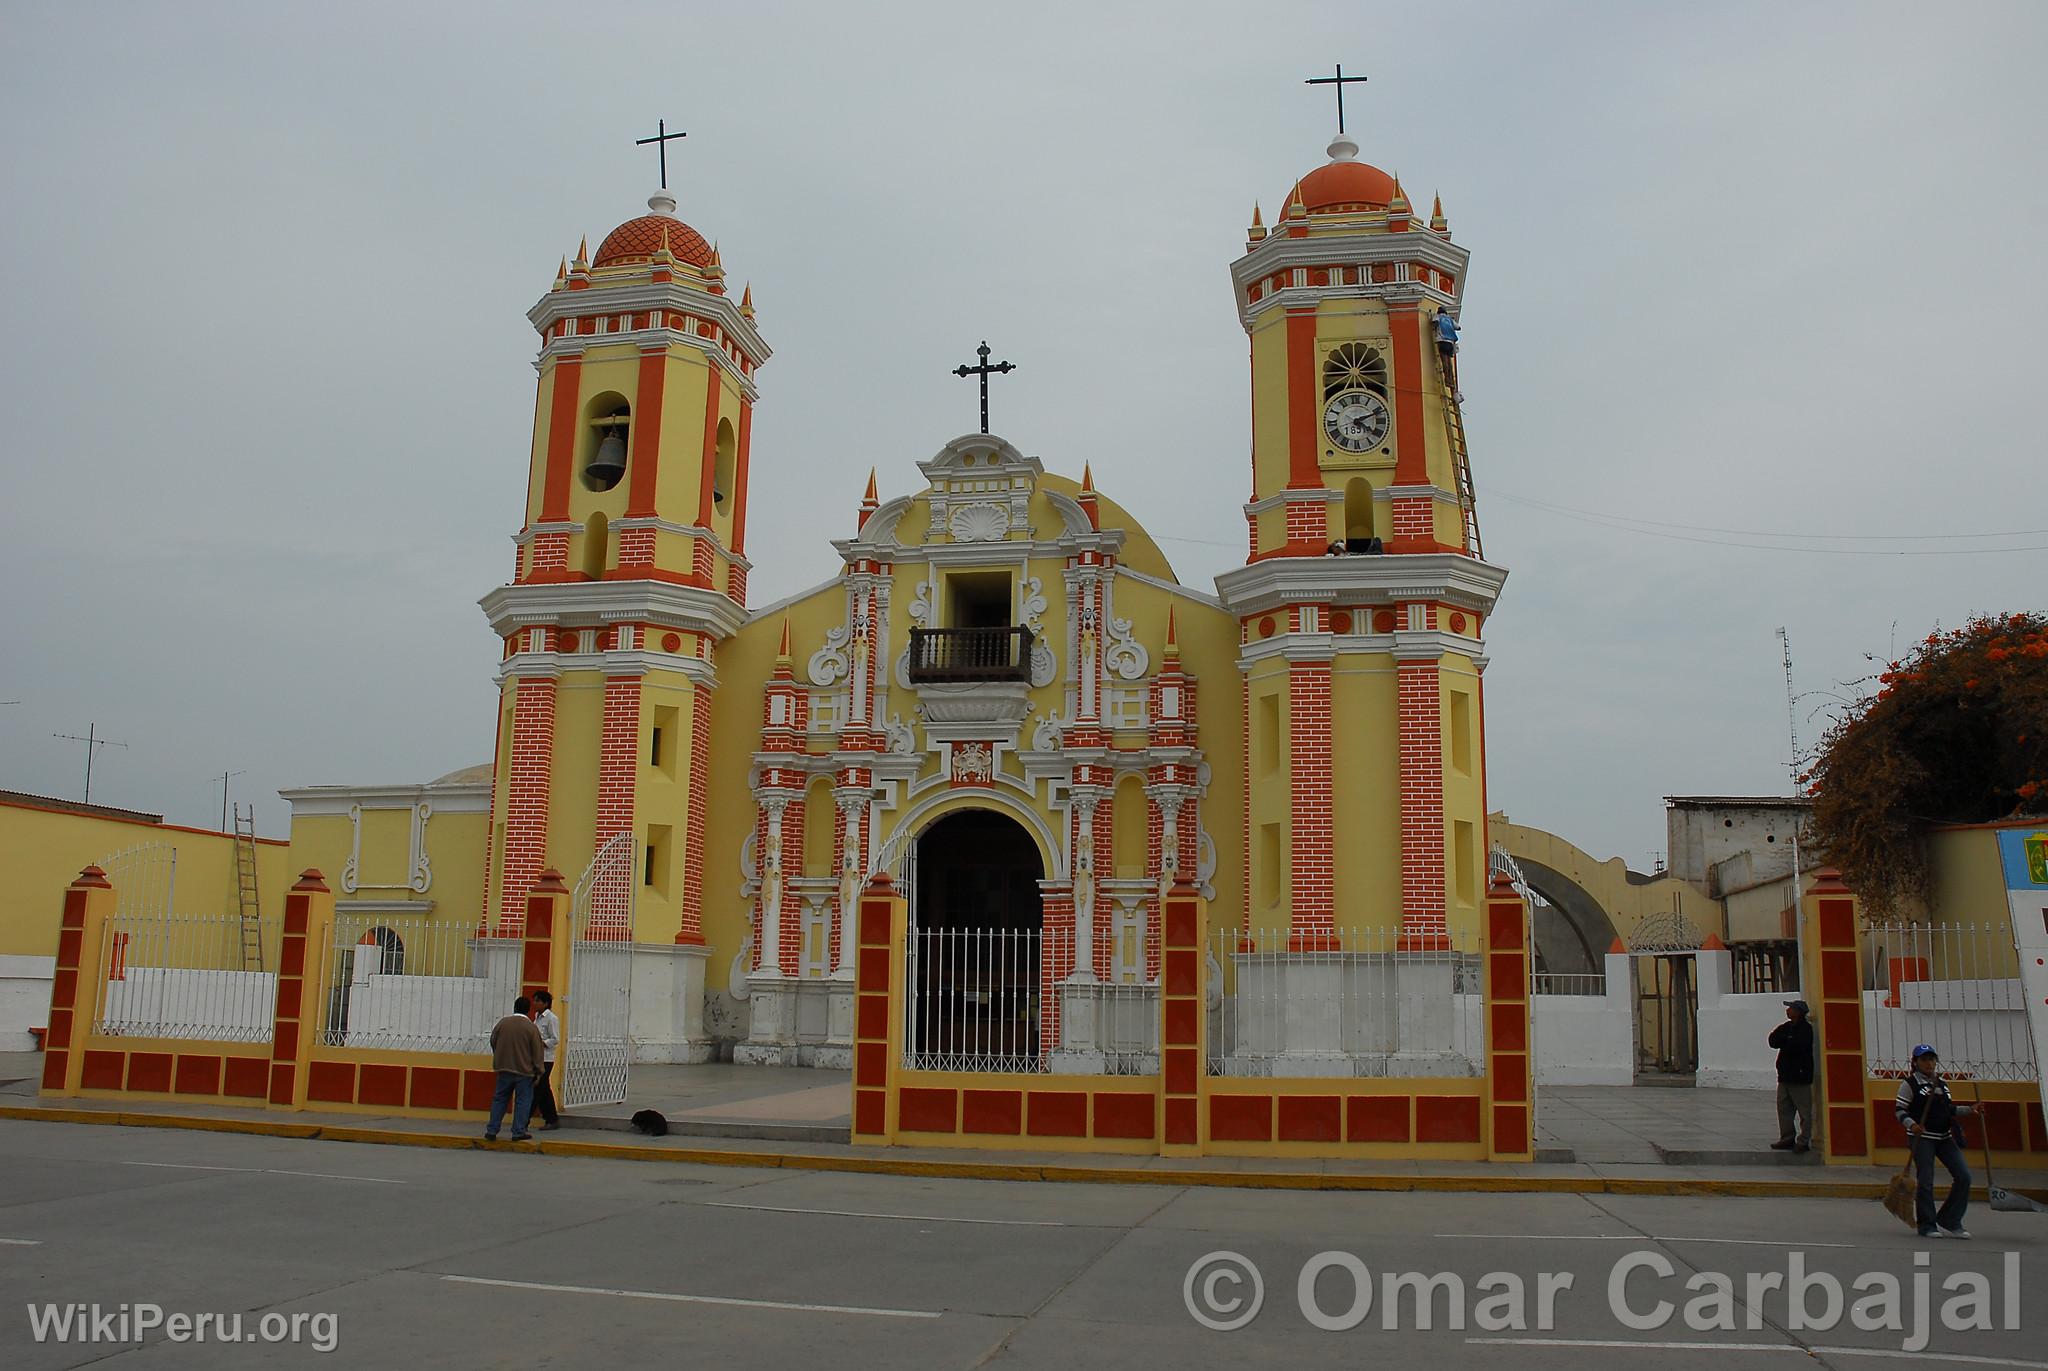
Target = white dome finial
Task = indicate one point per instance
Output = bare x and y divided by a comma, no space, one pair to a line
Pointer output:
1343,148
662,202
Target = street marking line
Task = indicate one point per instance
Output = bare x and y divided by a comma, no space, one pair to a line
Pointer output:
1638,1237
1889,1353
20,1242
916,1218
270,1171
699,1299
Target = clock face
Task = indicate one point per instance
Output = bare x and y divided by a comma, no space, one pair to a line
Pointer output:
1356,420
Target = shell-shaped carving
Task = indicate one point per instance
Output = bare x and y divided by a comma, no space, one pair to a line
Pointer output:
979,523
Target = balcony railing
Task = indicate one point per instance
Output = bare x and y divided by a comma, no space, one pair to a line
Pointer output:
970,654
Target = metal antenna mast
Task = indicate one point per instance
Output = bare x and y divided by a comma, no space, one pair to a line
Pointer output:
1798,791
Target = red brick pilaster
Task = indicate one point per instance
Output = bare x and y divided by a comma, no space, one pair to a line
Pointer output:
530,774
691,926
1056,960
1832,960
544,959
646,430
1312,923
1510,1100
878,1011
562,434
1420,705
75,984
618,759
1182,1021
308,929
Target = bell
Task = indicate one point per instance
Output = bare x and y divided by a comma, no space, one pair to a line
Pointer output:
609,462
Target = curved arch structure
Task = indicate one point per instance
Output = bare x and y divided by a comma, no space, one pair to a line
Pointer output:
1591,903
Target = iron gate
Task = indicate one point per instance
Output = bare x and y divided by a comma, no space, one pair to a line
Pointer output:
597,1045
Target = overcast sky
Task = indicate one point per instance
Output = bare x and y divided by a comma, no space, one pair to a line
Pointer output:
1737,269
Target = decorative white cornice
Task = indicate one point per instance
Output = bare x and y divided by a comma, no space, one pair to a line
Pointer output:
1442,576
534,530
465,797
1366,246
554,349
513,607
633,297
1318,495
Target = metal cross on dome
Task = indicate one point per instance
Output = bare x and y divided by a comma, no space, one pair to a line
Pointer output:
1340,80
983,372
661,139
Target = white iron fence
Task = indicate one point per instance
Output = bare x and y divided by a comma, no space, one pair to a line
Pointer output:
415,982
172,975
1954,986
1364,1007
597,1042
1568,983
973,999
180,976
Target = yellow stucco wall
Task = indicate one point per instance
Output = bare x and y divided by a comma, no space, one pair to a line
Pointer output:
454,849
42,850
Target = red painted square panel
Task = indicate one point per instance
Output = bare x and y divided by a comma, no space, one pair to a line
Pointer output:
1183,1070
874,924
284,1040
1179,924
291,958
1124,1116
1447,1118
103,1070
1182,1020
1841,1026
294,915
871,1064
436,1087
874,970
245,1078
1511,1128
1510,1073
1376,1118
2037,1128
1846,1131
1241,1118
1838,974
1837,923
1057,1114
922,1109
872,1017
67,947
334,1082
60,1029
197,1075
1504,925
992,1111
63,987
149,1071
1179,975
1844,1076
870,1112
1509,973
283,1081
1182,1123
1311,1118
381,1083
55,1064
1510,1023
533,965
477,1088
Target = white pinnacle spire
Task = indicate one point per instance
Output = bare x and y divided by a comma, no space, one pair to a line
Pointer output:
1343,148
662,202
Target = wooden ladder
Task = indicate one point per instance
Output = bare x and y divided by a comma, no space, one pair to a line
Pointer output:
245,888
1468,501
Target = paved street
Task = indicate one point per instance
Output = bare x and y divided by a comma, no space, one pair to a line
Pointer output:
463,1258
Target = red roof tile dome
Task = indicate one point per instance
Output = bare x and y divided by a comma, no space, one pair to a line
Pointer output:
637,240
1345,183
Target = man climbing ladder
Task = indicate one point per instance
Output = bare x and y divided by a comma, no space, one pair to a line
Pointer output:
1447,352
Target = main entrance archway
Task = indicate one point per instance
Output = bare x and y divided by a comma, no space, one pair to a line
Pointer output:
976,945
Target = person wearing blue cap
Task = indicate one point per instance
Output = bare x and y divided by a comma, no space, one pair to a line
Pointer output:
1794,1041
1928,1114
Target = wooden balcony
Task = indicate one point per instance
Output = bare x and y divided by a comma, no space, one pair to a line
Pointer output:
966,655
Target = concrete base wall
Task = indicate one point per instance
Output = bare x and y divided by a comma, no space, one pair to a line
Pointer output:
24,1000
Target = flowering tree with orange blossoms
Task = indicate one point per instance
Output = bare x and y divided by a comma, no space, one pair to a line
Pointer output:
1957,732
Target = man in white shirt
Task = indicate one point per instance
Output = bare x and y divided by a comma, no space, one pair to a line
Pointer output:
551,1038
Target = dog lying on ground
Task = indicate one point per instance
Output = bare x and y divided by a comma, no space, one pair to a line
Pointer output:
651,1122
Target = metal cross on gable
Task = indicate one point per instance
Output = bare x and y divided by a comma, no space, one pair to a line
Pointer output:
661,139
1340,80
983,372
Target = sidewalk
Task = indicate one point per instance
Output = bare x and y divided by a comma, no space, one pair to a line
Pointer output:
19,1101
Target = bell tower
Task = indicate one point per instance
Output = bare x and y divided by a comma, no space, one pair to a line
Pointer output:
630,570
1363,596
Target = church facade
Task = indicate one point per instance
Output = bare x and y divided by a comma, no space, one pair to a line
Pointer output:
1004,698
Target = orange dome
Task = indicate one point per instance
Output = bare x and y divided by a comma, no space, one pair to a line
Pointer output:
637,240
1346,186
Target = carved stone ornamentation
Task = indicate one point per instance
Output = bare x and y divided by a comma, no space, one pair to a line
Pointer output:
1125,655
973,764
828,665
979,523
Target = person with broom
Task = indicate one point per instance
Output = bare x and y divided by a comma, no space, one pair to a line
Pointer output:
1928,1114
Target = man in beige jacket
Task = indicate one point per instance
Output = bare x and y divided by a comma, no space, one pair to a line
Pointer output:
516,1053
